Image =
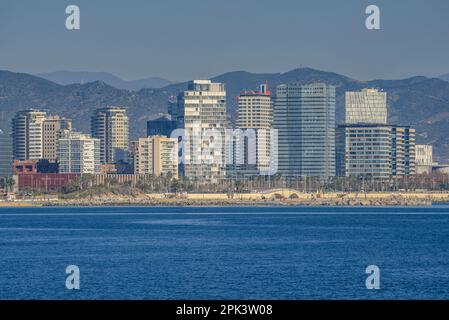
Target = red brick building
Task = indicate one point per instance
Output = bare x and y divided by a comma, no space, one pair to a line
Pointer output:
24,167
45,181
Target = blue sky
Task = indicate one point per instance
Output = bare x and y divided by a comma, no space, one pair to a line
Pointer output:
186,39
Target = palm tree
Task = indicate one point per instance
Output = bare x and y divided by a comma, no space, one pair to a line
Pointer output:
175,186
7,183
3,183
11,184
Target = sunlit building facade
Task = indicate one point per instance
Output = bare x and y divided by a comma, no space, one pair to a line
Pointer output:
156,155
366,106
27,134
202,115
255,115
78,153
110,125
52,129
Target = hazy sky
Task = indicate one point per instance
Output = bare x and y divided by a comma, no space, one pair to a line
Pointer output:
186,39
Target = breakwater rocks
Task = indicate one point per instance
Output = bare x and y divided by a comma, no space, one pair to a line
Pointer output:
171,202
148,201
371,202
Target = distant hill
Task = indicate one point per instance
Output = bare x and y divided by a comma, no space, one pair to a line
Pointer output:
81,77
444,77
77,101
418,101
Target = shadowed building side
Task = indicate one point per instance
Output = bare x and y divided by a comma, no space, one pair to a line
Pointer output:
6,155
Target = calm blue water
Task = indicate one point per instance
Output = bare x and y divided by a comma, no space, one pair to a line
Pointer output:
224,253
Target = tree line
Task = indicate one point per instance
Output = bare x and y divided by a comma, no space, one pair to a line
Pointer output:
85,184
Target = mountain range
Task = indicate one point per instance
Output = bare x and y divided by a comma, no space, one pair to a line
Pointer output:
419,101
81,77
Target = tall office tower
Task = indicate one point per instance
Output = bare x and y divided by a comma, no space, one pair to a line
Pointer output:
304,116
202,115
402,151
255,113
156,155
27,133
162,126
52,129
366,106
5,154
375,150
78,153
110,125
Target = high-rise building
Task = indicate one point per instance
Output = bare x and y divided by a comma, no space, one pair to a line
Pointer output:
156,155
6,156
255,113
162,126
52,129
304,116
78,153
27,133
110,125
424,158
366,106
402,151
202,115
423,155
375,150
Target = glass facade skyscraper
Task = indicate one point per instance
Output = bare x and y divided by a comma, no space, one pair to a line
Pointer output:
304,116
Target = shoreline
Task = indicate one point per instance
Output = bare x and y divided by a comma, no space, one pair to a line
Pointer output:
222,203
274,198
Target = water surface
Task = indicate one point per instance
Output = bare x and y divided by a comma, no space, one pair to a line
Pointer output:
224,252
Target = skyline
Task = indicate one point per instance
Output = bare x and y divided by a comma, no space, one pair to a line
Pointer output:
417,101
254,36
307,144
230,157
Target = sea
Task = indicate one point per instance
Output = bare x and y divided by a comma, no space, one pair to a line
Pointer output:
283,252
